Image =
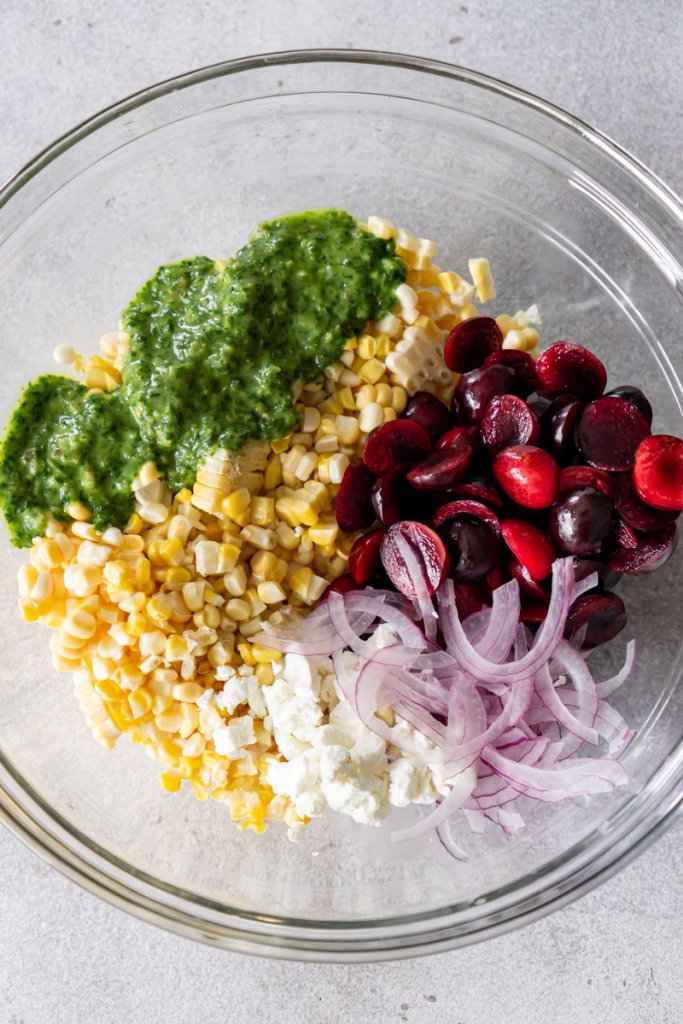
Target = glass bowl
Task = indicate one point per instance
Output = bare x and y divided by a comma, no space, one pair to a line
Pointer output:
569,221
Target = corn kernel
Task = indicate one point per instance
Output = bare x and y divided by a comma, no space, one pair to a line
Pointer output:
372,416
76,510
300,582
371,371
367,346
108,690
80,624
238,609
187,691
235,581
338,465
264,655
170,782
140,702
245,654
237,502
348,430
270,592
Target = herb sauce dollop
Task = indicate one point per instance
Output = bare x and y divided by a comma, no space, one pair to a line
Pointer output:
216,350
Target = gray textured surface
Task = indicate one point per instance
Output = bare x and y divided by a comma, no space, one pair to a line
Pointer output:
615,955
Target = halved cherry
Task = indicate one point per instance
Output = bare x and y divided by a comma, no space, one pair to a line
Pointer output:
353,507
508,420
561,430
582,523
430,412
528,475
393,499
425,546
609,433
465,507
634,510
531,546
658,472
472,545
469,597
441,470
566,366
572,477
534,612
365,563
480,489
526,379
496,577
539,403
475,389
598,616
653,550
636,397
626,536
585,566
527,584
459,435
396,441
470,342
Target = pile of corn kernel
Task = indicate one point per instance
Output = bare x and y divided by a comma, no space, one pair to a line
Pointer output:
146,617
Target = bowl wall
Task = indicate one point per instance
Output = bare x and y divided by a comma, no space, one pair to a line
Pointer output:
568,223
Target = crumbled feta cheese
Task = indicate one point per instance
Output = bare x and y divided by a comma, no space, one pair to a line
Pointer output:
257,704
410,783
233,694
206,700
333,760
231,738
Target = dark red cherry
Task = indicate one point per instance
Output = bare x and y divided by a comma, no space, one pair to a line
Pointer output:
365,564
658,472
571,368
472,546
393,498
474,391
408,542
582,523
508,420
598,616
470,342
430,412
609,433
353,507
636,397
441,470
396,441
528,475
524,366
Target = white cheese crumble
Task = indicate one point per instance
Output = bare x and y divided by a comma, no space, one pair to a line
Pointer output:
333,760
328,759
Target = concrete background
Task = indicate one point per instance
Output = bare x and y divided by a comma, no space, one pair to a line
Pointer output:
615,956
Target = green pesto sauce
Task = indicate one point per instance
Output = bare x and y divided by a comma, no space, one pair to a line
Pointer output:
214,357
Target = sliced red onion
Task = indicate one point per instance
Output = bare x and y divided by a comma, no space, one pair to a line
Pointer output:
580,721
463,787
443,834
583,776
502,624
546,640
607,688
509,821
502,711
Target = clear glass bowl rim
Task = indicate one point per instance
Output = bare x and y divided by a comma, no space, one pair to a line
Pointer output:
388,938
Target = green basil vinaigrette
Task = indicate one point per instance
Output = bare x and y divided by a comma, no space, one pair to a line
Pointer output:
215,353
